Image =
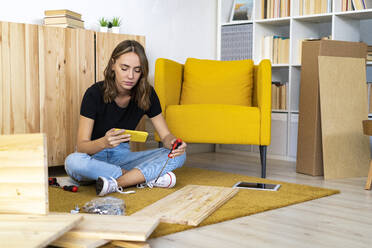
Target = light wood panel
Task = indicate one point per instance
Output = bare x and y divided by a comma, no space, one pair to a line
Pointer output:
114,227
105,44
32,230
70,241
23,174
19,82
130,244
66,70
189,205
343,105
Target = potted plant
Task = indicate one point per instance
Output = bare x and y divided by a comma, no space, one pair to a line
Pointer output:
103,24
116,25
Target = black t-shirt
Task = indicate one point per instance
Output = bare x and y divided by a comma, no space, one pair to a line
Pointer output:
110,115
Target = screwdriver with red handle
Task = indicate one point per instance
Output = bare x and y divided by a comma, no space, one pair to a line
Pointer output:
175,145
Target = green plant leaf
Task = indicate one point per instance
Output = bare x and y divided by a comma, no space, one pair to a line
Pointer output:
116,21
103,22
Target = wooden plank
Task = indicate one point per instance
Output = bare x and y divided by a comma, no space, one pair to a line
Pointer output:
70,241
114,227
53,91
130,244
23,174
343,105
33,230
19,106
79,76
66,71
189,205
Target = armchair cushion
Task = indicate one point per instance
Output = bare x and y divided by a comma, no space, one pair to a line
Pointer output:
217,82
215,123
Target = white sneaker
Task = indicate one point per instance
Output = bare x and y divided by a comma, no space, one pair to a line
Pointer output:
106,186
166,181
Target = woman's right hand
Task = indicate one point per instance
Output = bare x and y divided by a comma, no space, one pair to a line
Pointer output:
114,137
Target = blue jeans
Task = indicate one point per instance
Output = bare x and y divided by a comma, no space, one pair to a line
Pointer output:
110,162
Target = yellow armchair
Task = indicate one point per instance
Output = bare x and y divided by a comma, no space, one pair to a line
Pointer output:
218,102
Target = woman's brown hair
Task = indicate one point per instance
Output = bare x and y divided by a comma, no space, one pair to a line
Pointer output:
142,90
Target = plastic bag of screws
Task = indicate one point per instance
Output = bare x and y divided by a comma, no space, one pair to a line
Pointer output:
105,205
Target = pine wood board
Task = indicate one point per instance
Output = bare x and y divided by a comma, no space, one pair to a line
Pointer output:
23,174
70,241
34,230
66,70
19,86
130,244
343,105
189,205
114,227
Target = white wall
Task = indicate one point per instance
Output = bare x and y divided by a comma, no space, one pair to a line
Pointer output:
174,29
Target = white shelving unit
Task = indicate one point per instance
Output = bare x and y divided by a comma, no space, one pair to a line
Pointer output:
346,26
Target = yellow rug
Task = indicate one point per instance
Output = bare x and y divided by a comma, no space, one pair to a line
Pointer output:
246,202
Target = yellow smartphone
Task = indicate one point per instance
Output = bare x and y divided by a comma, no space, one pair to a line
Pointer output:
136,136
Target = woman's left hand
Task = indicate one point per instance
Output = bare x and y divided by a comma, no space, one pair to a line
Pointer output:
179,151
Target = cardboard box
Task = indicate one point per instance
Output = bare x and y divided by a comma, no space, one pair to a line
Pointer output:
309,143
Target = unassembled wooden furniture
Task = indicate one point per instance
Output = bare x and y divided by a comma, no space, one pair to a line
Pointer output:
34,230
189,205
367,130
23,174
44,72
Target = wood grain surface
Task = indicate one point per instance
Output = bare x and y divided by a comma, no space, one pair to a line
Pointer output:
32,230
115,227
19,82
189,205
66,70
23,174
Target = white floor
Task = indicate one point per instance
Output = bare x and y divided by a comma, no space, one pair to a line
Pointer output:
342,220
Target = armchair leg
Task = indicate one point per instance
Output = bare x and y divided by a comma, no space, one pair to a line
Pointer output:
263,160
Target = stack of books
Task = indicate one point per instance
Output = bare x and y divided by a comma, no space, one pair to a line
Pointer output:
369,53
63,18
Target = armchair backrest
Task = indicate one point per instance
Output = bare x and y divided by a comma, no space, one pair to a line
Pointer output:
217,82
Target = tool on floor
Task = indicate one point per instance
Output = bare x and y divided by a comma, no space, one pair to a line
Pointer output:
175,145
53,182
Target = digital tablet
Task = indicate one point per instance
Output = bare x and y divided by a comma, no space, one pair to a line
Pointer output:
259,186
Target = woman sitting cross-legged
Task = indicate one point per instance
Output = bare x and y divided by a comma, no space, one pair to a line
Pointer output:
108,108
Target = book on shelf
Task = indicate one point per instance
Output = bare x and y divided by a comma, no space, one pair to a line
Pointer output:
63,25
62,12
311,7
63,20
278,95
275,48
275,8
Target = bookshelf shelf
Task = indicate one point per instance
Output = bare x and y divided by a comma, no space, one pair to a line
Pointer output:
315,18
280,65
277,21
356,14
348,26
236,23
